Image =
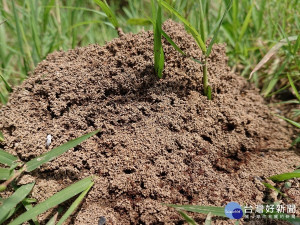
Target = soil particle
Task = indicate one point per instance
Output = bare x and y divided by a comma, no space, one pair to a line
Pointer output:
161,140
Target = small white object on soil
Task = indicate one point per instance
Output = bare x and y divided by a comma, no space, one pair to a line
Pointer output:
48,142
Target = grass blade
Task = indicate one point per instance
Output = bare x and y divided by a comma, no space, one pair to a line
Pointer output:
193,31
13,200
285,176
158,50
38,161
54,200
267,185
217,211
87,22
145,22
139,21
161,63
266,91
288,120
84,9
187,218
7,86
246,23
293,86
297,45
296,141
2,22
53,219
202,29
153,10
4,101
172,43
27,204
46,13
6,158
216,32
34,29
270,53
208,219
111,16
209,92
5,173
74,205
19,35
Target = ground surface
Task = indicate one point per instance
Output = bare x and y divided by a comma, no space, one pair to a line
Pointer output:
161,141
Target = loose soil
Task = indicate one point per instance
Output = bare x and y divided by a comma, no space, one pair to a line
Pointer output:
161,140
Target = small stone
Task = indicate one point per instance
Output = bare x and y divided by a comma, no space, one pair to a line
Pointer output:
287,185
102,220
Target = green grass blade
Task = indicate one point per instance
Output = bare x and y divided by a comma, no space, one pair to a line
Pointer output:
246,23
270,53
58,19
13,211
172,43
51,45
193,31
139,21
267,185
74,31
208,219
3,100
275,79
84,9
237,222
27,204
2,22
297,45
209,93
296,141
293,86
161,63
47,9
87,22
74,205
38,161
54,200
19,35
1,137
111,16
144,22
153,10
285,176
288,120
34,29
53,219
235,9
217,211
216,32
27,49
6,158
5,173
7,86
201,14
158,51
13,200
197,61
187,218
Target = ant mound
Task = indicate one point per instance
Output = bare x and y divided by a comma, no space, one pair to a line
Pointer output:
161,140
